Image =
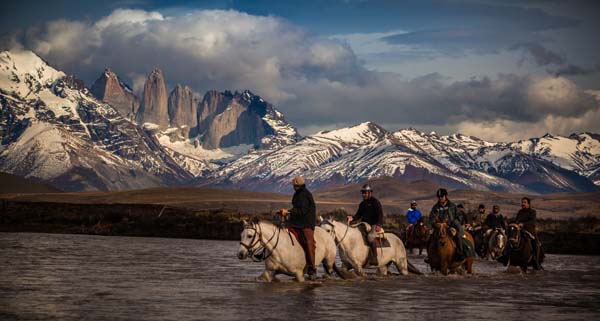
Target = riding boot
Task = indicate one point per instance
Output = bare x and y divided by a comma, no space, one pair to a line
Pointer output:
536,255
373,260
459,254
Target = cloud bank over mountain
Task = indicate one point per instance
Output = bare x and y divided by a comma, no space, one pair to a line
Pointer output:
318,82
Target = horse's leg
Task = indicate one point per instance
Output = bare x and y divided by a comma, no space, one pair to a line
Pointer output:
328,268
266,276
444,268
469,265
382,270
300,276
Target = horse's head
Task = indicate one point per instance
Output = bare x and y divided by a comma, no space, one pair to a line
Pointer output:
421,229
500,239
249,239
328,226
440,233
514,235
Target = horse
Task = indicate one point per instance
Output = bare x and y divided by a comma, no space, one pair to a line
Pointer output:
442,251
496,243
419,233
520,250
354,253
281,252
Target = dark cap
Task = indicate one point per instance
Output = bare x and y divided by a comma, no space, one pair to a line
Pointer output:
481,206
460,206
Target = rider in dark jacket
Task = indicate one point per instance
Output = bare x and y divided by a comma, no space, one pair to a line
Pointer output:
370,211
526,218
495,220
303,218
445,211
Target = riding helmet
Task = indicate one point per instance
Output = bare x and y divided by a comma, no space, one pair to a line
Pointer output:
366,188
441,192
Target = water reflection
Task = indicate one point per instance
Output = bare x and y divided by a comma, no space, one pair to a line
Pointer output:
73,277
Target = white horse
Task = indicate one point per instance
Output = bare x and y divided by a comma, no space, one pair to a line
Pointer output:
281,251
496,244
354,253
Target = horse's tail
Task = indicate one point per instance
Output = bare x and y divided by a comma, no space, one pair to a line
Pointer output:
412,268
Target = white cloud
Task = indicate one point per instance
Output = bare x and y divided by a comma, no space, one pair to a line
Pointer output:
317,82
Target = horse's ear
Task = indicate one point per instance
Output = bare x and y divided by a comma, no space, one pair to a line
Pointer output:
320,219
245,222
255,220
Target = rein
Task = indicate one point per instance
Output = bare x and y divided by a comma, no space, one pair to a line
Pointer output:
256,240
335,234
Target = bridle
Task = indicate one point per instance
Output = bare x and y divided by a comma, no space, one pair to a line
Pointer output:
517,237
335,234
262,254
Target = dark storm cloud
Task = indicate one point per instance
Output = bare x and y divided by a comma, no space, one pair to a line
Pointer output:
559,66
315,81
541,55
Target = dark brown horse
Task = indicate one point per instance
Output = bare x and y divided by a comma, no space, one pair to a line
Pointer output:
417,235
520,251
442,250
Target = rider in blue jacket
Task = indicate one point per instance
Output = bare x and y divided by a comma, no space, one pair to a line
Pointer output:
413,214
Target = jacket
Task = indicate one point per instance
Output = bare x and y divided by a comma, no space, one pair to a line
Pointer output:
304,211
445,213
413,215
369,211
527,217
492,221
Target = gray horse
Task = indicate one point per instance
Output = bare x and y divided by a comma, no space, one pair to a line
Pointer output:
354,253
282,253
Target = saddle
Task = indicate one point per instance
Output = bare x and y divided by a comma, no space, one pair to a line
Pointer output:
365,228
299,236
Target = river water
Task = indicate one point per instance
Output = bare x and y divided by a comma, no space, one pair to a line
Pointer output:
81,277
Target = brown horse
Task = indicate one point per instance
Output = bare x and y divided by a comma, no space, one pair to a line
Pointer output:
520,249
442,251
417,235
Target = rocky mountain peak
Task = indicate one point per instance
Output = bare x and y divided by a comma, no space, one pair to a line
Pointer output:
183,107
154,105
110,89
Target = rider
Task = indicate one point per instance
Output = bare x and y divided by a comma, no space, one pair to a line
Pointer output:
303,218
370,211
462,216
477,222
413,215
493,221
479,218
526,219
445,211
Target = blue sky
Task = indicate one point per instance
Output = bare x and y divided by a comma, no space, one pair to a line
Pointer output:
499,70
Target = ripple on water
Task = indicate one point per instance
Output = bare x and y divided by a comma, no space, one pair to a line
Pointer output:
72,277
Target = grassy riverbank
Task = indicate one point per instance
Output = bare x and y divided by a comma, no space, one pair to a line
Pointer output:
573,236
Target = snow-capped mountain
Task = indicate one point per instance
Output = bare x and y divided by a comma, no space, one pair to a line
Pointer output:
53,129
366,151
578,152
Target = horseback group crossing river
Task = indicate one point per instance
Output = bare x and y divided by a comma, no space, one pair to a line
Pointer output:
298,242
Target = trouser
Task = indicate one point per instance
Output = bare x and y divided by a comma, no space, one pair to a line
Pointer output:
309,248
372,238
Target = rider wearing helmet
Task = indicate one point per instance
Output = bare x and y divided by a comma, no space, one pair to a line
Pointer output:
370,211
445,211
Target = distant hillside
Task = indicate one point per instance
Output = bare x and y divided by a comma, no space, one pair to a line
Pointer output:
17,184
